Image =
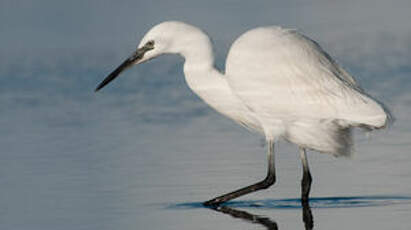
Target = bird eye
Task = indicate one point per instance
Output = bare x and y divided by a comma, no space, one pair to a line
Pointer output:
150,44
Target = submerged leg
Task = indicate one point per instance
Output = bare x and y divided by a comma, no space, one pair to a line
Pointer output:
306,181
267,182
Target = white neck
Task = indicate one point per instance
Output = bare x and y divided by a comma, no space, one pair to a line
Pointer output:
200,74
199,69
206,81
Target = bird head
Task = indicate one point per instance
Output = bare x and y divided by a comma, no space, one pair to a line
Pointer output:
166,37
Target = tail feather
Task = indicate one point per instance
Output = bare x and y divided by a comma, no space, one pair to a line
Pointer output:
325,136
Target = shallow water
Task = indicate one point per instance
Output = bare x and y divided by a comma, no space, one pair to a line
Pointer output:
145,152
87,177
132,160
246,210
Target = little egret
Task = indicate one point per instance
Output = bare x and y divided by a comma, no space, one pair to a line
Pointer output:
277,82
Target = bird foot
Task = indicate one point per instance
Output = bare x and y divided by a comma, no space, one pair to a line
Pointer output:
213,203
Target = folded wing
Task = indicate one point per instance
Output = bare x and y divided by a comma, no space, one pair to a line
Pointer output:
283,75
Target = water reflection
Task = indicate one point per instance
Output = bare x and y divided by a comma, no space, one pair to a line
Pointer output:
233,208
265,221
315,202
308,218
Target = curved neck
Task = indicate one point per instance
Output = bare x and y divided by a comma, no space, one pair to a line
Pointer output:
199,69
197,51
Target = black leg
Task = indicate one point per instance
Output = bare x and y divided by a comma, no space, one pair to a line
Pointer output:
267,182
306,181
307,216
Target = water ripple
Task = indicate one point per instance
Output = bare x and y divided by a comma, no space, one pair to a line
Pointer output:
315,202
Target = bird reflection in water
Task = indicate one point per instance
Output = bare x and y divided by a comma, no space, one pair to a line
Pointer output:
307,216
295,203
265,221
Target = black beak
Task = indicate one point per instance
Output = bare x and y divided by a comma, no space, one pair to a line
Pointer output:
137,56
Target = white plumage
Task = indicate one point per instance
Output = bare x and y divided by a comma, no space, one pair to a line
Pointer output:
297,91
277,82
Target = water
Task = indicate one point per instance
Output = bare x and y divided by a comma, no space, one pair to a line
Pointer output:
90,165
146,157
145,152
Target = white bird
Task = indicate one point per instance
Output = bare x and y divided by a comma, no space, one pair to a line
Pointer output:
277,82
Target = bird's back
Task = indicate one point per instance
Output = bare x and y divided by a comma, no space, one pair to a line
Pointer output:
285,77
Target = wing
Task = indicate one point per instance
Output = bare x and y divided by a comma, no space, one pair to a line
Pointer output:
283,74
